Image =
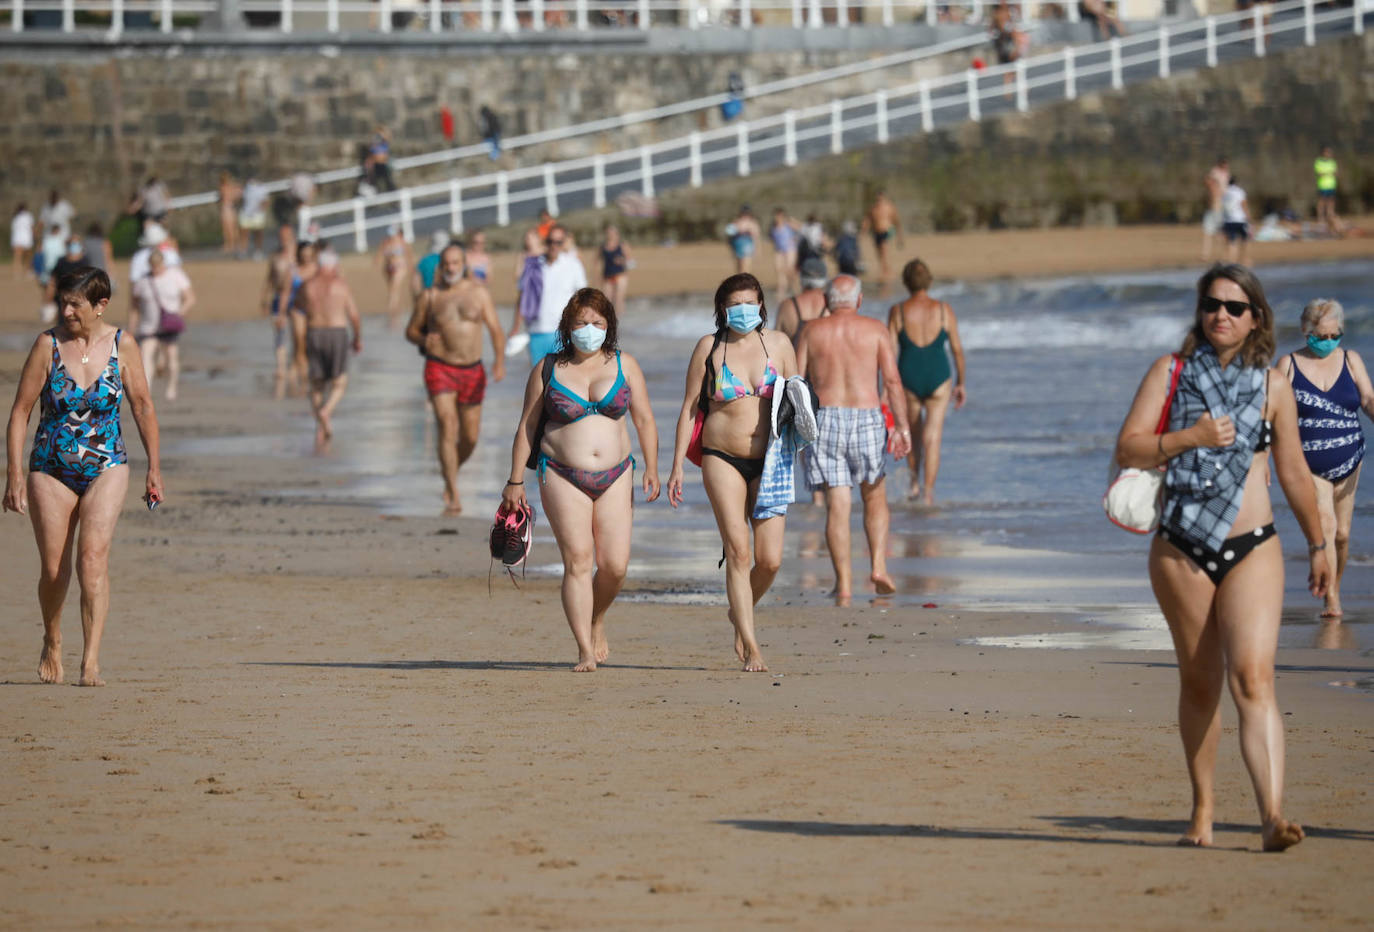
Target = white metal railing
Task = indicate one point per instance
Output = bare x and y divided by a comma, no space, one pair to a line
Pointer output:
626,120
511,16
777,138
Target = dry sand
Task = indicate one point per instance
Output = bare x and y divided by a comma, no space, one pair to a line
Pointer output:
318,717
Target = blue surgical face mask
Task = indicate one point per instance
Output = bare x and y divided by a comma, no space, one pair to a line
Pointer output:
743,318
1322,348
73,249
588,338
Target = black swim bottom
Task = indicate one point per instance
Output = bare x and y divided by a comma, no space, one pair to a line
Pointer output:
747,468
1217,563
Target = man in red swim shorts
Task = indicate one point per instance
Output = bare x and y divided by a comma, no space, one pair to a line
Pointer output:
447,327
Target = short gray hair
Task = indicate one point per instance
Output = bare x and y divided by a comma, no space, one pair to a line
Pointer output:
843,291
1317,310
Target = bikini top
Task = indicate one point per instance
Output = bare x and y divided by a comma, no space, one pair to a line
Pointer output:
563,406
728,386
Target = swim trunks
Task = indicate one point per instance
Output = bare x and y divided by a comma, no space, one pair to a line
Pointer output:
468,382
326,352
849,448
881,236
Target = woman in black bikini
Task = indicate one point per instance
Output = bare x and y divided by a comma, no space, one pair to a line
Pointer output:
732,377
1216,565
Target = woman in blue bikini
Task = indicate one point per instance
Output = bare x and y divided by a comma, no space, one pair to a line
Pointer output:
583,462
78,471
1216,566
732,375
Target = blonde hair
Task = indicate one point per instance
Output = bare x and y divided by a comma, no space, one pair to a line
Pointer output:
1317,310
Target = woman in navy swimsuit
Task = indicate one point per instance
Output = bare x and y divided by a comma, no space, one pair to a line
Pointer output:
78,472
584,467
1216,566
1331,386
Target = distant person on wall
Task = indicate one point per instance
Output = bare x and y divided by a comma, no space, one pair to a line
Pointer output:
489,125
1215,181
733,106
847,255
743,234
230,191
57,212
154,201
1325,168
253,215
21,240
882,222
1235,213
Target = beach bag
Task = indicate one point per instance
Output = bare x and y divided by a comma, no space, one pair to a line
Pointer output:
169,323
694,447
545,373
699,424
1133,496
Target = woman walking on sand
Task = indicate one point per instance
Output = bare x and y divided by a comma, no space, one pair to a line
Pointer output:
921,328
736,400
1331,386
78,471
580,450
395,260
1216,566
615,266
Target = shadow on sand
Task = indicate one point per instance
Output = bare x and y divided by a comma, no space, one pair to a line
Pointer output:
418,665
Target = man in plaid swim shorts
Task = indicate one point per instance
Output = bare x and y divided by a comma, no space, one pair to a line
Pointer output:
842,356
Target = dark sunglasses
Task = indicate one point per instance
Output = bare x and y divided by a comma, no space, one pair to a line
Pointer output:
557,242
1211,305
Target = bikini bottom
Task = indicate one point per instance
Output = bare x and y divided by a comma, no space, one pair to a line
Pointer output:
1217,563
749,469
592,482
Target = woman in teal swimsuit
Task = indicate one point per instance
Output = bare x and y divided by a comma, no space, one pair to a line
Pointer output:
78,472
584,467
921,327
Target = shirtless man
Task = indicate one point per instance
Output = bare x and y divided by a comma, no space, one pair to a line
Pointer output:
1216,180
329,312
796,312
882,221
281,280
842,356
447,326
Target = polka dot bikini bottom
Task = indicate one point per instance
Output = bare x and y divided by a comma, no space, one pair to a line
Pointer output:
1217,563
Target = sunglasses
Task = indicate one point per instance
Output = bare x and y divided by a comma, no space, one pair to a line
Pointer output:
1211,305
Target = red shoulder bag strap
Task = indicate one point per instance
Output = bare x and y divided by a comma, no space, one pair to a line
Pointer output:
1175,372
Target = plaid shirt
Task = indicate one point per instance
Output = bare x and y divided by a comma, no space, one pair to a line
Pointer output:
1203,486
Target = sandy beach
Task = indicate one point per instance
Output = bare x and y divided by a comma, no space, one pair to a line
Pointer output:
319,715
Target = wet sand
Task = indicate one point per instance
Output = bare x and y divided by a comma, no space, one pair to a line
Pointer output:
318,715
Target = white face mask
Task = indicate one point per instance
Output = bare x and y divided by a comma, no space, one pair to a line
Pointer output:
588,338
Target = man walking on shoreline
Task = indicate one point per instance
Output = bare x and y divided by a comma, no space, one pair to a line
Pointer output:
883,221
330,313
447,326
843,355
563,275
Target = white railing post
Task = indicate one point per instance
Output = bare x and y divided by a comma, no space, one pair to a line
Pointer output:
455,205
383,15
1074,15
842,13
1163,51
880,113
502,200
694,159
693,21
746,14
359,226
927,113
434,23
932,12
17,15
975,109
407,216
742,144
287,20
1257,22
1359,18
796,14
789,137
166,15
1309,24
68,16
1070,75
888,18
550,191
1022,92
646,172
1116,63
598,181
116,18
1211,42
509,21
303,223
484,16
814,14
582,15
537,15
332,16
645,14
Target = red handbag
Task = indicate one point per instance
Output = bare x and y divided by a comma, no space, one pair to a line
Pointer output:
694,447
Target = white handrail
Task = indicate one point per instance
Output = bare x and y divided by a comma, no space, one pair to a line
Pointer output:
781,134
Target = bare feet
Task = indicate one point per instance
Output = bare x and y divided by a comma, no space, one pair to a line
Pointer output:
842,599
883,583
50,663
585,665
453,506
1333,608
739,638
600,648
1199,834
90,676
1281,834
753,663
326,426
913,495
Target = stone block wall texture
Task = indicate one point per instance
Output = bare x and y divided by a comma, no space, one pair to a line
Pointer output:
97,124
1129,157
